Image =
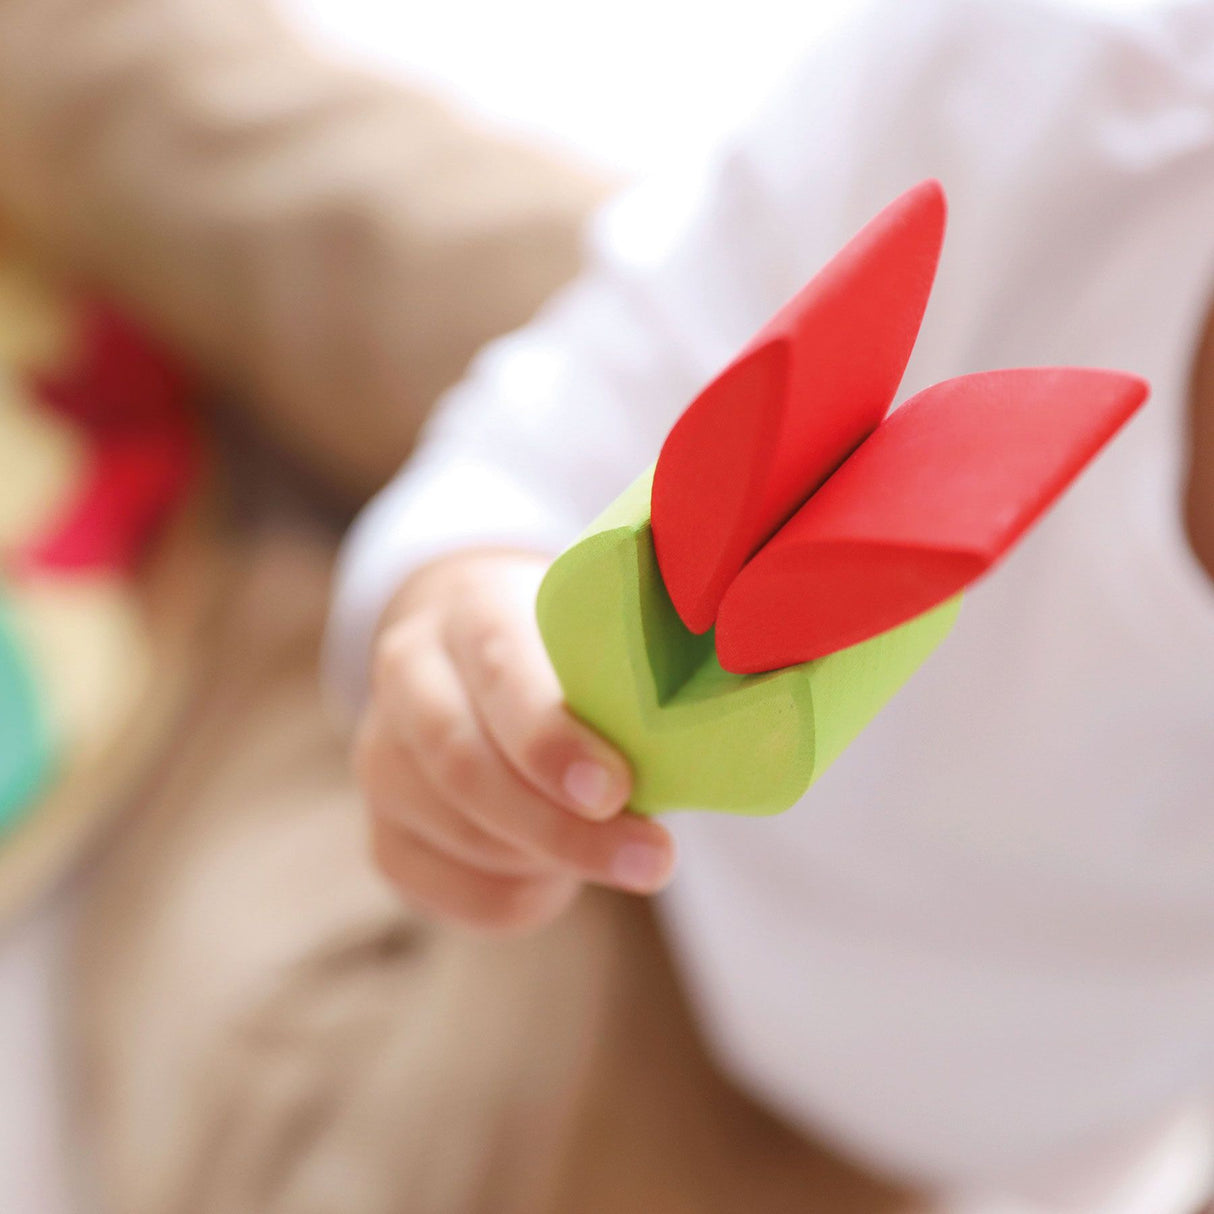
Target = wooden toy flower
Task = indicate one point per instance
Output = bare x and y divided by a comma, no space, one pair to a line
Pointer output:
737,617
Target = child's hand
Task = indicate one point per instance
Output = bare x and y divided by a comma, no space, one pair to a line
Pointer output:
490,802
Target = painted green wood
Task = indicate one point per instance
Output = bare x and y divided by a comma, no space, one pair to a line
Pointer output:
697,736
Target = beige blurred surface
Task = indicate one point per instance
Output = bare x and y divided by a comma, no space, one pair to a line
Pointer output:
332,246
282,1035
328,243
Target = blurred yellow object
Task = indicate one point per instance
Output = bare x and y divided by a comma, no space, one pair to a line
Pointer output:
40,455
40,460
89,647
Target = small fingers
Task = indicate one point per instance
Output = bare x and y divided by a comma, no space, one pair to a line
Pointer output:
398,793
518,699
431,716
442,887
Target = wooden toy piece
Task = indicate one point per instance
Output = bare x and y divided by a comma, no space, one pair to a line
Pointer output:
738,617
811,385
41,459
111,560
25,747
696,735
118,380
927,504
130,486
129,401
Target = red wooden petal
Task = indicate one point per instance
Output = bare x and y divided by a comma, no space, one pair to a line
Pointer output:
929,502
810,386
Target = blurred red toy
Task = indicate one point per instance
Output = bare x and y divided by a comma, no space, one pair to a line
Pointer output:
129,401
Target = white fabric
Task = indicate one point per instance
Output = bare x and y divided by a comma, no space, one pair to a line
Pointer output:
981,951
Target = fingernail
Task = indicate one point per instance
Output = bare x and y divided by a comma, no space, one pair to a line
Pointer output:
640,867
590,785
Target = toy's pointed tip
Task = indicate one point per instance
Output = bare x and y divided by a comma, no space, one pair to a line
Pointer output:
1137,388
1129,390
926,205
1123,392
931,189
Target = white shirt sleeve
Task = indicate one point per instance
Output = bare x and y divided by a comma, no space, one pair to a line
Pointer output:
553,421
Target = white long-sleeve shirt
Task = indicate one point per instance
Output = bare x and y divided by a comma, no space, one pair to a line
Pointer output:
981,950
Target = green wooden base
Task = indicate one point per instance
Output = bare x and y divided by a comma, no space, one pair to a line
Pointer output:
697,736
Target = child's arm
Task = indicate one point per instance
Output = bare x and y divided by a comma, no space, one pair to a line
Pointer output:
477,777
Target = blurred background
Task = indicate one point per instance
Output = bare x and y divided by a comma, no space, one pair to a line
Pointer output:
629,88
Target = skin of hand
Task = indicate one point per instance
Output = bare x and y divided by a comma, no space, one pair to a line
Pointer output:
490,803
